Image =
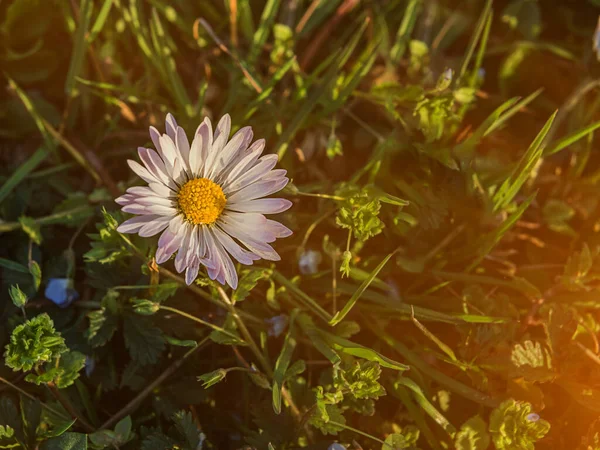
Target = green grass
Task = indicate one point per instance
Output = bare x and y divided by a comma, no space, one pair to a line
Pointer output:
445,180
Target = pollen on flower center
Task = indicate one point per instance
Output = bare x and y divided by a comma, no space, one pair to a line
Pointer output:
201,201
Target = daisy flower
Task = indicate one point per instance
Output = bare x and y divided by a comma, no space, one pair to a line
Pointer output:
207,199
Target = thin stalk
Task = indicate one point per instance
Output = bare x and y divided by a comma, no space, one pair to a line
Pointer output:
200,321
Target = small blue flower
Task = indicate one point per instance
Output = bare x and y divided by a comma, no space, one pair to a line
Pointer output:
336,446
481,73
309,262
533,417
277,325
60,291
90,365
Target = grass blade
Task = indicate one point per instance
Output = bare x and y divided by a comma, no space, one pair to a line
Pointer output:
79,46
427,406
411,13
357,350
475,39
24,169
282,364
571,138
511,186
266,23
339,316
100,20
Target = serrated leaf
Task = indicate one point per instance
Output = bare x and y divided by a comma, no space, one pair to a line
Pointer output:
533,361
249,278
472,435
66,441
406,439
514,425
144,341
184,422
33,343
102,327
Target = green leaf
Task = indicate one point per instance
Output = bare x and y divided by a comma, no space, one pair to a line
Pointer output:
103,325
123,430
17,296
184,422
514,425
359,212
32,343
12,265
211,378
62,374
66,441
31,228
340,315
36,273
532,361
472,435
406,439
323,417
144,341
249,278
232,338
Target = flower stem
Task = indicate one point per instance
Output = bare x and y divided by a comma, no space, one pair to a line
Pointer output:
200,321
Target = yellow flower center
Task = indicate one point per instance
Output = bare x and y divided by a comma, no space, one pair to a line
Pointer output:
201,200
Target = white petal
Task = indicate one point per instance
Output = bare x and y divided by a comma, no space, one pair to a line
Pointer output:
264,165
162,190
262,206
225,269
182,254
125,199
134,224
280,230
155,165
261,249
136,209
142,172
238,143
169,152
161,210
169,242
150,200
258,190
171,126
246,161
183,147
192,272
233,248
154,227
221,135
155,136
